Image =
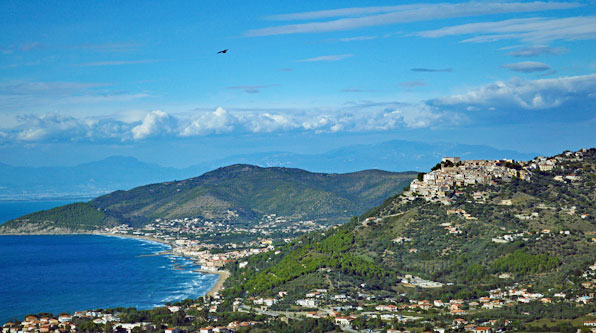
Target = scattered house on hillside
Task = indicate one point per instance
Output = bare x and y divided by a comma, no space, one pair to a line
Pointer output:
172,330
389,308
308,303
64,318
459,322
344,321
129,326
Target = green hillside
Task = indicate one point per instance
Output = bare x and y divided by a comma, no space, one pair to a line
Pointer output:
77,216
538,232
235,194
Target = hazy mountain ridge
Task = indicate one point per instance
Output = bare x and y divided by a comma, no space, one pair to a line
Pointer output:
86,179
396,155
238,193
123,173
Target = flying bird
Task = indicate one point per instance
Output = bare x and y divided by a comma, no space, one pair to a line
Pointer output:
223,51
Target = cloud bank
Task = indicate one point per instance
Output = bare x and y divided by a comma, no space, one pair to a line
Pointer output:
501,101
519,94
157,123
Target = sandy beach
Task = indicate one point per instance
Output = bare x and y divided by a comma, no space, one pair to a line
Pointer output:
223,275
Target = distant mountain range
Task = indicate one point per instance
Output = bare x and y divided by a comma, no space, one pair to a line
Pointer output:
84,180
235,194
394,155
122,173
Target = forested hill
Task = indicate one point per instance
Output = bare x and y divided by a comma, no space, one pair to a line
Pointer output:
238,193
538,231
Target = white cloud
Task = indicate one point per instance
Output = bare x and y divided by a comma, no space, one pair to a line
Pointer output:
418,116
102,98
33,96
219,121
117,62
354,90
526,94
47,88
316,123
527,67
110,47
268,122
368,17
402,115
530,30
357,11
23,47
252,89
32,134
534,51
4,137
50,127
336,57
359,38
375,117
155,123
432,70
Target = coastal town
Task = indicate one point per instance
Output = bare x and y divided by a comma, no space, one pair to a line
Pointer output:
194,239
336,307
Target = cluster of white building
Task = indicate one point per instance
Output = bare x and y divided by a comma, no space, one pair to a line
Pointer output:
213,261
438,184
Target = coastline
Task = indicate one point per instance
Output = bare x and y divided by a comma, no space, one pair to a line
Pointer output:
151,239
222,275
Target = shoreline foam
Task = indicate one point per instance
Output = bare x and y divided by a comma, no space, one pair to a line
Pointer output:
222,275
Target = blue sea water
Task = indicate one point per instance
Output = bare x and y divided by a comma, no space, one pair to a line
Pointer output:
81,272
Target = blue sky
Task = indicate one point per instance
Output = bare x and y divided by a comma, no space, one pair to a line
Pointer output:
83,80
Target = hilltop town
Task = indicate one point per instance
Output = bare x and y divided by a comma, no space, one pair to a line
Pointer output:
453,172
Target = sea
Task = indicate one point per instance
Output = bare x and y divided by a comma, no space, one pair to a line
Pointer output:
69,273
